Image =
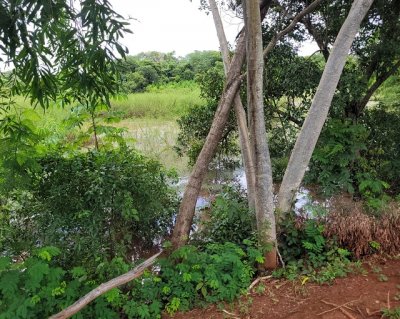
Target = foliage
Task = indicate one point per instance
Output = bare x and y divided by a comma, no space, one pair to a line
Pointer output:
308,252
228,219
156,68
383,144
359,158
36,287
194,128
118,204
81,37
19,140
193,277
391,313
334,162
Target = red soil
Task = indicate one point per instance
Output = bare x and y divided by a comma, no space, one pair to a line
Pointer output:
360,296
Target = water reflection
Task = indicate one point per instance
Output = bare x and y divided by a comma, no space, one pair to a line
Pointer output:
216,179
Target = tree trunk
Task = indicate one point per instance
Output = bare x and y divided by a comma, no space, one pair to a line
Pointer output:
186,212
238,107
264,205
187,208
318,112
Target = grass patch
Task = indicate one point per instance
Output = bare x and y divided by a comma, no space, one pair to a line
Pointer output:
165,102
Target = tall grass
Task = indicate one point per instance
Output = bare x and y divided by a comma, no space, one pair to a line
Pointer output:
164,102
149,118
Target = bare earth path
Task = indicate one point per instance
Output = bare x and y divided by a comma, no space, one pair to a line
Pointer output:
359,296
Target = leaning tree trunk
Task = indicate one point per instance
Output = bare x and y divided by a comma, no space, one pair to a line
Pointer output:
240,113
186,212
318,112
264,204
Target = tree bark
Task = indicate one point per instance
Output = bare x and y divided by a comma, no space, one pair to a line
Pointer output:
185,216
240,113
318,112
264,204
186,212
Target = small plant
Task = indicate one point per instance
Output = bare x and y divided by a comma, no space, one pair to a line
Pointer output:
245,304
229,219
383,278
260,289
376,269
391,313
309,253
375,246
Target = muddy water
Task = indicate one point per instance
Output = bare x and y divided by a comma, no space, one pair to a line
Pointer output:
215,181
157,138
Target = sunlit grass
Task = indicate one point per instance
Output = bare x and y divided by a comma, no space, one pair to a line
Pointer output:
149,119
169,102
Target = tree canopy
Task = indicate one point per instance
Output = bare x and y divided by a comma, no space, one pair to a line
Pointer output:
60,50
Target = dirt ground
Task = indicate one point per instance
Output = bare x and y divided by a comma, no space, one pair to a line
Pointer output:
360,296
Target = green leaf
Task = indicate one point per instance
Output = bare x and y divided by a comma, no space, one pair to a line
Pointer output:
5,262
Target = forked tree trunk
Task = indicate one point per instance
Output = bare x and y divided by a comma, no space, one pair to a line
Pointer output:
181,231
240,113
264,205
318,112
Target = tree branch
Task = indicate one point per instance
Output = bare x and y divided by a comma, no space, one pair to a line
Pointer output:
317,37
372,89
103,288
290,27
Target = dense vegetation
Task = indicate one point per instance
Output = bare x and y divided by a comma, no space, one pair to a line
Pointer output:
80,204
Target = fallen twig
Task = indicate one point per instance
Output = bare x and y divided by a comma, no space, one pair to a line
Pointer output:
103,288
370,314
360,312
348,314
231,314
255,282
335,306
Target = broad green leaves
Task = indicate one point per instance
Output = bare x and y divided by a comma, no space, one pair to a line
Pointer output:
62,49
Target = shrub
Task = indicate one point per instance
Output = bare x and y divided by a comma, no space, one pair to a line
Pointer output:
334,161
227,220
97,204
308,251
194,276
37,288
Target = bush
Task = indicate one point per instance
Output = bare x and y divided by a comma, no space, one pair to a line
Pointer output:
227,220
335,159
194,276
37,288
308,251
97,204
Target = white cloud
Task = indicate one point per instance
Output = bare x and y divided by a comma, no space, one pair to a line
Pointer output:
173,25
